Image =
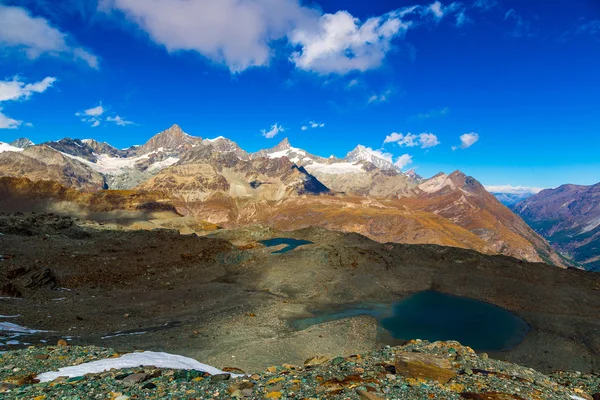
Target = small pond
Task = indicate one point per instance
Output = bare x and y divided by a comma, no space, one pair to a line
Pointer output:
291,244
434,316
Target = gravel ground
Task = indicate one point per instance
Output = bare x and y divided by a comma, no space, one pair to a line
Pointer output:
370,376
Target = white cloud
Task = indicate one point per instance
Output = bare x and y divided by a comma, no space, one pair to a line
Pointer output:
242,34
380,98
275,129
92,115
7,122
435,9
316,124
94,112
340,43
304,128
467,140
509,189
428,140
119,121
238,34
36,37
403,161
424,140
15,89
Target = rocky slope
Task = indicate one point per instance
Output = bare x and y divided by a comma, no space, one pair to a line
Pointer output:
569,217
44,163
416,371
464,201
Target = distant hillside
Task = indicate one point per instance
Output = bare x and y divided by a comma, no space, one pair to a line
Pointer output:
569,217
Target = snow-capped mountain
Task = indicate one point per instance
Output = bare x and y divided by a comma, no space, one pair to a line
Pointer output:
362,153
22,143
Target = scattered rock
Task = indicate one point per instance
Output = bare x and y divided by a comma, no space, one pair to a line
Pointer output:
62,343
10,290
42,278
427,366
233,370
315,361
17,272
41,356
135,378
220,377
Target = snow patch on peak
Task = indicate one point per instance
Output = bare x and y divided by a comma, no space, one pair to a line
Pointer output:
437,183
215,139
7,147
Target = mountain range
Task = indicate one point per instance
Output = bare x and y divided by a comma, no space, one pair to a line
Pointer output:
284,187
569,217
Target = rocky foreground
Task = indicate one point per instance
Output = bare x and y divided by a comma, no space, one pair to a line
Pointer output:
417,370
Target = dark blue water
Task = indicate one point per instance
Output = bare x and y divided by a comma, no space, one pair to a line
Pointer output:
437,316
291,244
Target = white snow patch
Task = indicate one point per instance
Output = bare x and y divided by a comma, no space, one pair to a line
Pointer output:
108,165
10,316
335,168
287,153
167,162
436,184
14,328
13,342
7,147
215,139
132,360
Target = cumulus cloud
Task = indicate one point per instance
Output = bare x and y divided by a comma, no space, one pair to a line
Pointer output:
92,115
245,34
316,124
424,140
238,34
275,129
36,37
509,189
17,90
341,43
403,161
304,127
428,140
467,140
119,121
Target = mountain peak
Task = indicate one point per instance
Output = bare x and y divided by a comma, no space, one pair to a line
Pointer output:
22,143
283,145
375,157
172,139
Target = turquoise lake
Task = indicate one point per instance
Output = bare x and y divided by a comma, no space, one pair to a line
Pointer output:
434,316
291,244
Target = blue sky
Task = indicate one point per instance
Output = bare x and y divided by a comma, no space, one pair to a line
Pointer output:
518,81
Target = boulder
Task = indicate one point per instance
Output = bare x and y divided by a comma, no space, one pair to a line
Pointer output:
426,366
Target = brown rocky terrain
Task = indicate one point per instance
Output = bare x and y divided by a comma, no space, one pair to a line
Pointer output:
45,163
225,298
